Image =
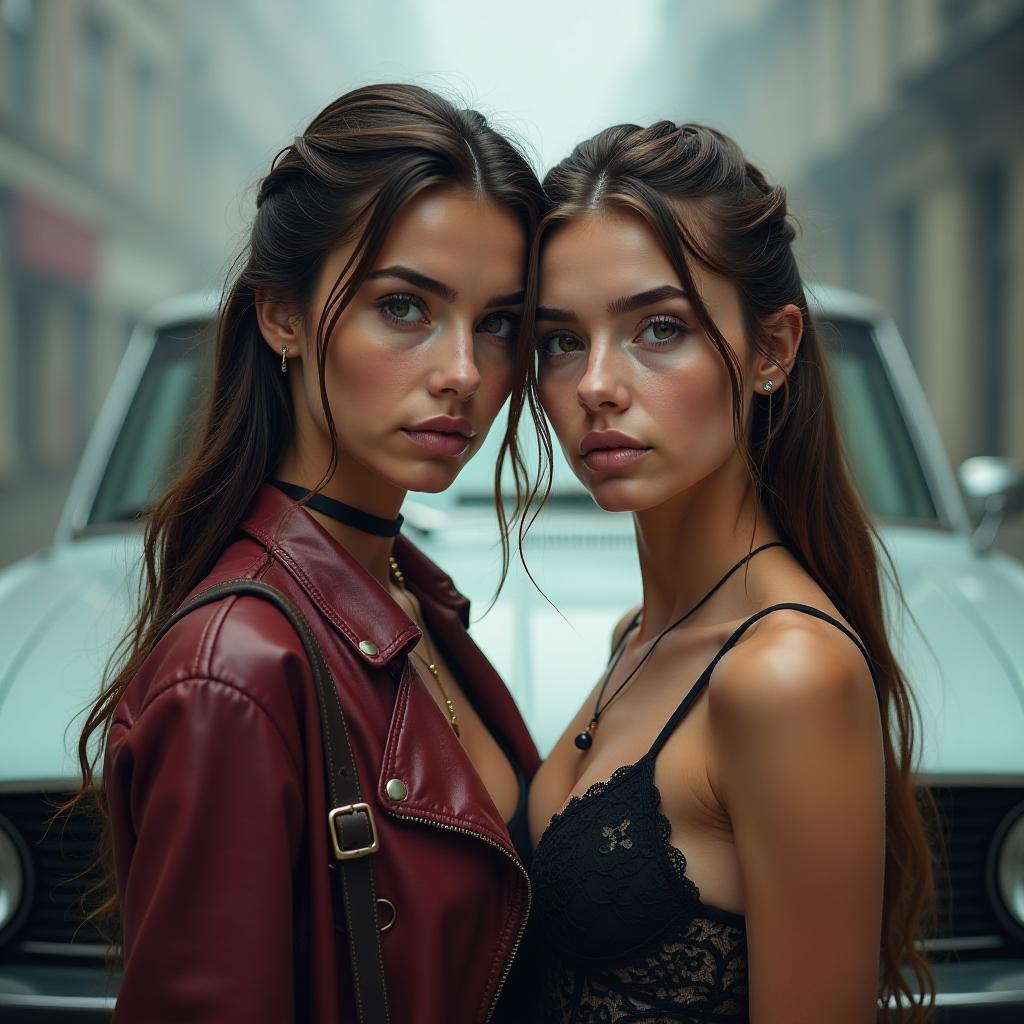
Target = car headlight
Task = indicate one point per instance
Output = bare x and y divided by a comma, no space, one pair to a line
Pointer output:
14,879
1006,870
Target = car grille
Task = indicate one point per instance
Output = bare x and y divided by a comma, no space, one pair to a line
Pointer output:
968,817
966,923
62,857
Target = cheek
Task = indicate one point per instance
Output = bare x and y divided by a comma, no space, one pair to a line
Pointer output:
557,393
364,380
496,377
696,400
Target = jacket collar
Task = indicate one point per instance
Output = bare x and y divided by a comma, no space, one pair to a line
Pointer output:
361,610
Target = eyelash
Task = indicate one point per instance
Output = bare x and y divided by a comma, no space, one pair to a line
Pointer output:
682,329
383,303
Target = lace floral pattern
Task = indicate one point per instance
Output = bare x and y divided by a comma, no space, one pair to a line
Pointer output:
619,932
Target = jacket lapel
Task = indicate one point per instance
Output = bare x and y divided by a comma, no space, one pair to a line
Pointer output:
439,783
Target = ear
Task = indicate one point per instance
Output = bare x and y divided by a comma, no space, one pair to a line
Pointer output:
281,324
783,331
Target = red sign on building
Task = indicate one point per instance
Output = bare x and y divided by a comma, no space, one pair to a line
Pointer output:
52,243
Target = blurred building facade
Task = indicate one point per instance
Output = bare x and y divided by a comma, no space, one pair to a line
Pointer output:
129,132
897,127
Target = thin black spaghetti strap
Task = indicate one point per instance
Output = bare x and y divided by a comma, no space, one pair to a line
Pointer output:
695,690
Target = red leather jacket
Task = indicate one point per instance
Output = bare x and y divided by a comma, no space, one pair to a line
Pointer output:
215,786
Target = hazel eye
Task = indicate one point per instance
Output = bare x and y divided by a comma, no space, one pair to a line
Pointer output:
500,325
662,330
558,344
403,309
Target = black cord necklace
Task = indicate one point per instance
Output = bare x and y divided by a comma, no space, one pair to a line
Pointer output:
586,738
347,514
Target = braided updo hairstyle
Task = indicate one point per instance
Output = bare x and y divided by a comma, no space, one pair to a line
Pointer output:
707,204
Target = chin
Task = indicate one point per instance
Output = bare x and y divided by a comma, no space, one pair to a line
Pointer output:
430,477
622,495
612,502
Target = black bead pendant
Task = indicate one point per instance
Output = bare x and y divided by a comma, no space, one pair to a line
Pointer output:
586,738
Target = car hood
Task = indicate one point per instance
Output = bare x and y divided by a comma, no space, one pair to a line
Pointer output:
961,646
61,612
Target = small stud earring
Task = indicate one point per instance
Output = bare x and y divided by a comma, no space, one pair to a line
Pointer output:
768,385
284,352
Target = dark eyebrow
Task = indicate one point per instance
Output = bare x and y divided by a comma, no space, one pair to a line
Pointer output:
414,277
626,305
562,316
617,306
512,299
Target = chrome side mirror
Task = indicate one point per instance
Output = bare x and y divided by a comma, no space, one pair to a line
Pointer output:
994,488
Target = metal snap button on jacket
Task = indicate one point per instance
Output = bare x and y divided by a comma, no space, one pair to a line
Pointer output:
396,789
369,648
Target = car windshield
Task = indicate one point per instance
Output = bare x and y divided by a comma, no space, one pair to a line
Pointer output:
162,423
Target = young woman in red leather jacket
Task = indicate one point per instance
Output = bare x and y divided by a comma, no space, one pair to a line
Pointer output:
364,348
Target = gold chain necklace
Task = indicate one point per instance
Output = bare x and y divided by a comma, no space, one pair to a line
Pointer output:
431,666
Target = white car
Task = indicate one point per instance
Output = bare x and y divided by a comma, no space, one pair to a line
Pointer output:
962,647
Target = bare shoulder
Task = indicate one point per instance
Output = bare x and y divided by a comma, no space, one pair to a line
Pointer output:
792,664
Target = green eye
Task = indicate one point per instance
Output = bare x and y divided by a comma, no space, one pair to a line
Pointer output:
500,325
663,331
555,345
402,309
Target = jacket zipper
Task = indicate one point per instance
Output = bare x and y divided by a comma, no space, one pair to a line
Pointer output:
519,867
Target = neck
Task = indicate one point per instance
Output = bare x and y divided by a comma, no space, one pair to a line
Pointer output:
379,498
688,543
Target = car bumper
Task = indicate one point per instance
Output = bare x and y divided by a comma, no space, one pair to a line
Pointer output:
979,992
48,992
983,992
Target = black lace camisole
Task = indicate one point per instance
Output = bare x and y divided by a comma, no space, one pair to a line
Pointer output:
618,933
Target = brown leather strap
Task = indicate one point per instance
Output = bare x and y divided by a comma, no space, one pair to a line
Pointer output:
352,829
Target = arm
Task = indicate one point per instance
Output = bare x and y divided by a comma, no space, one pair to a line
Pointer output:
206,807
799,766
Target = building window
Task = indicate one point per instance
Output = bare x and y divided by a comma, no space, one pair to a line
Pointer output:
18,18
93,91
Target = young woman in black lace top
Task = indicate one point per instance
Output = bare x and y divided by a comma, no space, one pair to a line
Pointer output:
727,830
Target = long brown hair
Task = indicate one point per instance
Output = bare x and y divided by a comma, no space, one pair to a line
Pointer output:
344,179
704,201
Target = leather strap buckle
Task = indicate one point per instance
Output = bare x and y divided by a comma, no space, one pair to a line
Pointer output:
340,853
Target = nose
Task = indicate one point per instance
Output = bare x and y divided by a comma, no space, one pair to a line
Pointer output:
457,374
601,387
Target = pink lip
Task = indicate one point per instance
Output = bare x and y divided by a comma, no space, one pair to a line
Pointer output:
610,449
437,442
441,435
613,458
608,439
444,425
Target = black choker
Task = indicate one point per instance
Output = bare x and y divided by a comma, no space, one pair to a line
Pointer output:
347,514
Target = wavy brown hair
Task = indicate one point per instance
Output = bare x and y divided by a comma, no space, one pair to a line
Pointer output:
705,202
343,180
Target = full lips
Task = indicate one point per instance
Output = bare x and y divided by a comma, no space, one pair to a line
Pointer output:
438,442
613,458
